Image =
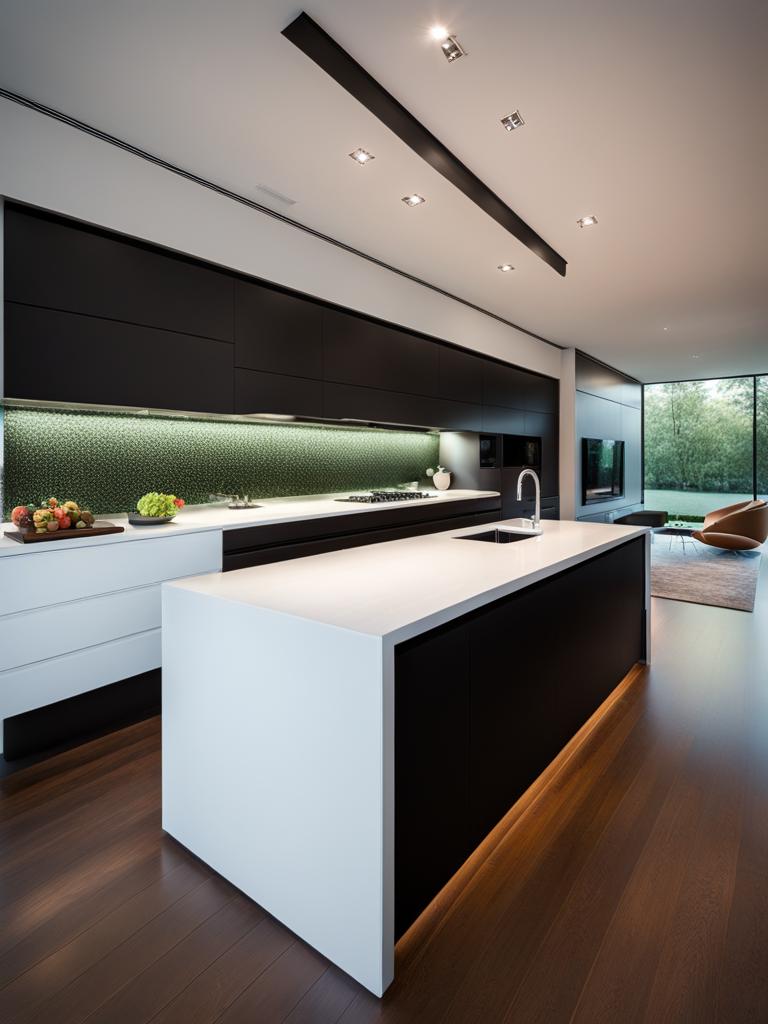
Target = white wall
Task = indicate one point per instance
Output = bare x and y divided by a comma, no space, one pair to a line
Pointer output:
49,164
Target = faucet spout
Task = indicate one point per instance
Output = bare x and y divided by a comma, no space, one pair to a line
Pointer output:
536,519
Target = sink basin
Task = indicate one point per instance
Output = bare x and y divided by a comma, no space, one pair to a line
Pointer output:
499,536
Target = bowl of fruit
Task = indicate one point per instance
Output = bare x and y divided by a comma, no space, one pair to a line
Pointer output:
154,509
52,516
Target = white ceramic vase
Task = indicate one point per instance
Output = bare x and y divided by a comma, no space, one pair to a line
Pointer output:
442,481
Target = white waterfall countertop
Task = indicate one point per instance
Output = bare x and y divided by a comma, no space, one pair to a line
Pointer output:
279,716
401,588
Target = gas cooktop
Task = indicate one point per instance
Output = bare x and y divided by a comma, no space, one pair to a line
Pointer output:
376,497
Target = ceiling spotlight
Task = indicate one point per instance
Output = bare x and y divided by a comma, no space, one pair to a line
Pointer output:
439,33
505,267
362,156
452,48
414,200
513,120
585,222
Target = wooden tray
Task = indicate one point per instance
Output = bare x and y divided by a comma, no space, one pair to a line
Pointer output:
99,529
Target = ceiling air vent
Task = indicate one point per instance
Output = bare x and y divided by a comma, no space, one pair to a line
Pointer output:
269,194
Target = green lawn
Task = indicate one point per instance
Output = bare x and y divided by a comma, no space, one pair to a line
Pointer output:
680,504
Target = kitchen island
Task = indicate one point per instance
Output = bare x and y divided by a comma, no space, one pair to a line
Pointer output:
341,731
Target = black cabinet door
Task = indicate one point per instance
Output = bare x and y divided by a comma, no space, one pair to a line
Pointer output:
504,385
70,267
498,420
460,375
543,425
64,357
515,719
276,332
509,387
357,351
277,393
343,401
530,695
432,723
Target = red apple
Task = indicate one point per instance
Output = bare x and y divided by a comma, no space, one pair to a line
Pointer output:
21,517
64,522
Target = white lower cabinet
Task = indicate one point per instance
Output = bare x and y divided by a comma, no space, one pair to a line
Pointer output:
81,618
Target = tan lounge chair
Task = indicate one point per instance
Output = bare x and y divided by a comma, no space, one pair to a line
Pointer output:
737,527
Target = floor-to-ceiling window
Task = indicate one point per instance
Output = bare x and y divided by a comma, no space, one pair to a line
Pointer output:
761,435
700,451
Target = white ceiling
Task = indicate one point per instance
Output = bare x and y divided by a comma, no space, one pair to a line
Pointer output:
651,115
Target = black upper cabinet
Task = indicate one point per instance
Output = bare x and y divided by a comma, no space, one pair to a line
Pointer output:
81,270
511,388
538,424
277,332
54,356
497,420
256,391
503,385
122,309
344,401
460,375
358,351
604,382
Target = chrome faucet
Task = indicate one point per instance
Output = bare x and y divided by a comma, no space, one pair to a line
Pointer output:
536,518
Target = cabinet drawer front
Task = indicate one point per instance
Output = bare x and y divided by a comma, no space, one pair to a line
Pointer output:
35,579
67,626
34,686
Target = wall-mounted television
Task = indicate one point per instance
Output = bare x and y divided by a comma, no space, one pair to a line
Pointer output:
602,470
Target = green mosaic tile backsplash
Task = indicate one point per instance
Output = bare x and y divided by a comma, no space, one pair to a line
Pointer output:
107,461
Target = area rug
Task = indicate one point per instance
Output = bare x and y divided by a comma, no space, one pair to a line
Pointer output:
704,575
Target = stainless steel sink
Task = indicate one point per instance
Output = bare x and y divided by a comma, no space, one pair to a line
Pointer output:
498,536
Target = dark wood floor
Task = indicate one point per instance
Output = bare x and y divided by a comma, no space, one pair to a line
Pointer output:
631,886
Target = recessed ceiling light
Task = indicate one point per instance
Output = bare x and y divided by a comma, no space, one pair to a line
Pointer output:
505,267
585,222
414,200
439,33
452,49
665,328
513,120
362,156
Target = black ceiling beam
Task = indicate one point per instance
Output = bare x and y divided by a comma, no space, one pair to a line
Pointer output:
315,42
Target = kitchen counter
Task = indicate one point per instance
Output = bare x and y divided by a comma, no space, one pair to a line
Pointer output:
399,589
218,517
279,708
